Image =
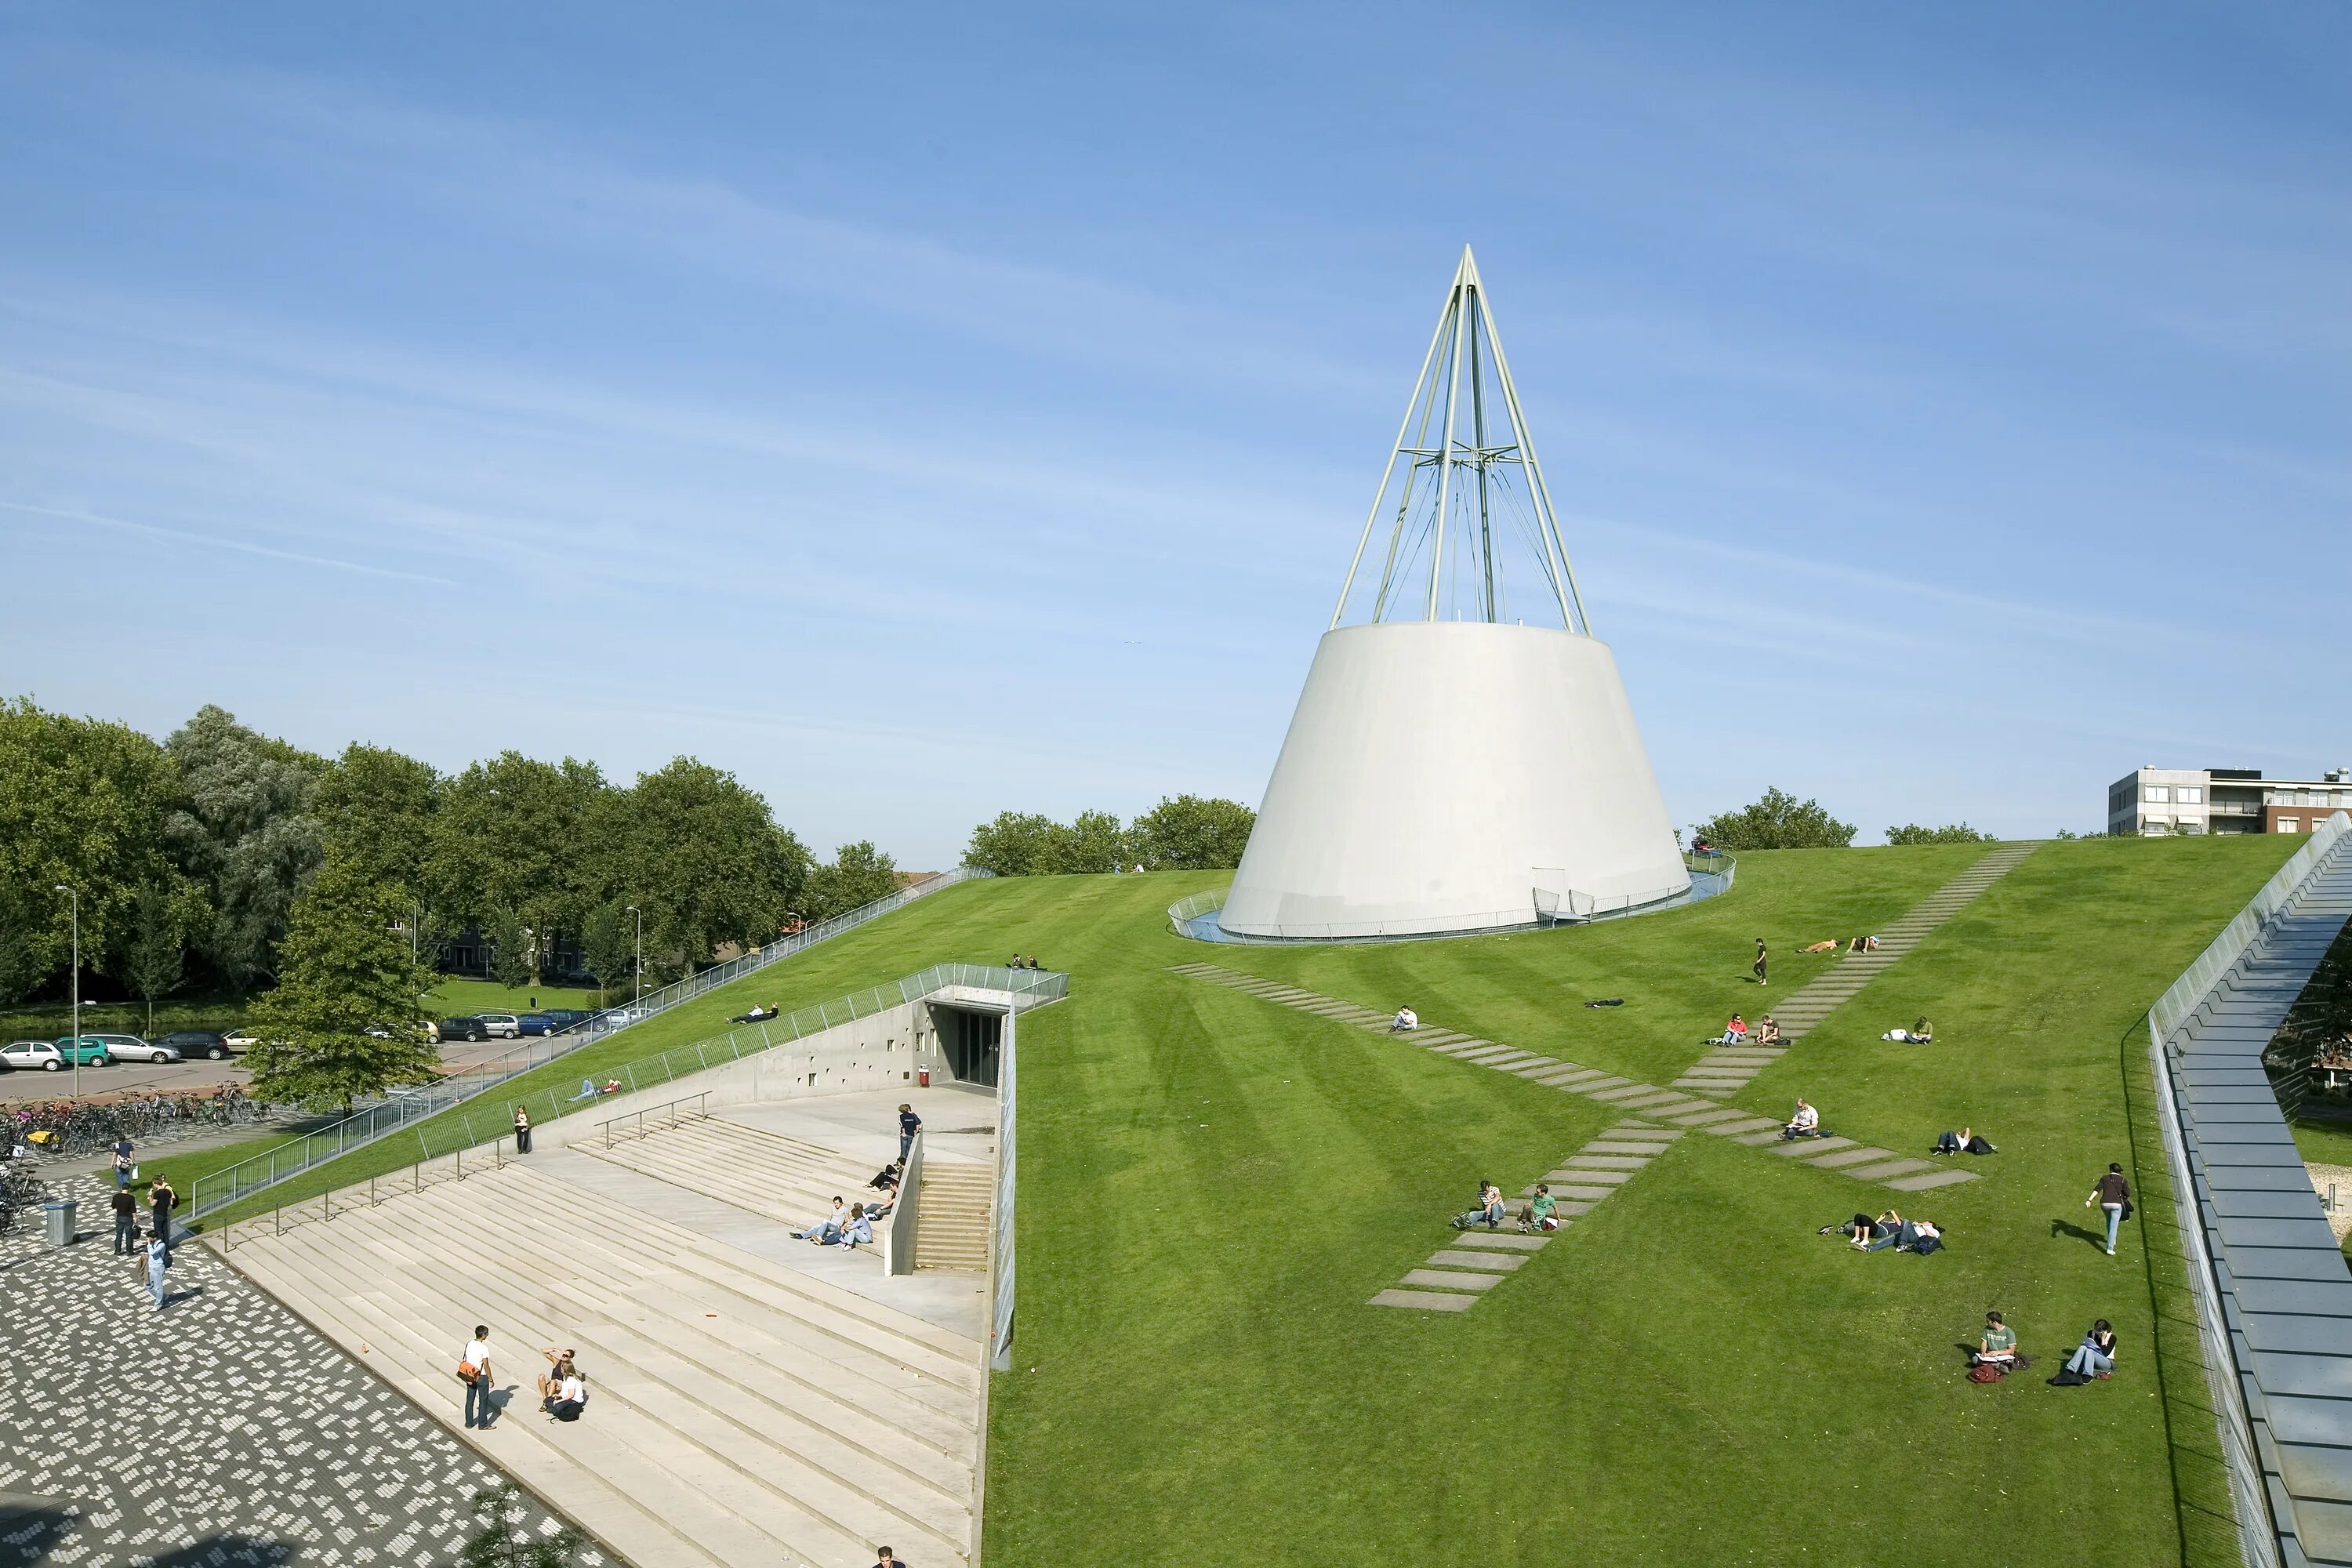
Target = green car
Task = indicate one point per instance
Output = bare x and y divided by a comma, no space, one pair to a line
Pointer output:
90,1053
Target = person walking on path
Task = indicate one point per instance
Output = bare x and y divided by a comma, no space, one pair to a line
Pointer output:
474,1372
160,1201
125,1167
159,1258
909,1125
2113,1195
1761,954
522,1130
126,1223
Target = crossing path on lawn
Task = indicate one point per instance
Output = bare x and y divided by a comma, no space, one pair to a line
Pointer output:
1674,1106
1459,1273
1730,1067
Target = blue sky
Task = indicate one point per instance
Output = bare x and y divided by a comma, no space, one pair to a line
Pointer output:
927,410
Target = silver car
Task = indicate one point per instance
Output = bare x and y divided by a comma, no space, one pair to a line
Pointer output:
33,1056
132,1048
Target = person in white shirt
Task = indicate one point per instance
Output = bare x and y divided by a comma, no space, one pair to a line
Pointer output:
570,1397
476,1354
1405,1019
825,1230
1805,1123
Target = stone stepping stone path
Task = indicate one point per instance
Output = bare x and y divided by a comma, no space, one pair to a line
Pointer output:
1476,1261
1595,1170
1728,1068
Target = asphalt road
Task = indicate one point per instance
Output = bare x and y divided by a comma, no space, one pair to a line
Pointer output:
176,1078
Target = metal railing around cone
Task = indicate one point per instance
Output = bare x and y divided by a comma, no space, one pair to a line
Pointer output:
217,1189
468,1131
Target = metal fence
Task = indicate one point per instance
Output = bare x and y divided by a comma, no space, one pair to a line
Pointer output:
1000,1260
401,1110
474,1125
2257,1530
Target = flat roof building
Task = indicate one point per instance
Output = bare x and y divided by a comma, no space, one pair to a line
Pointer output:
2156,802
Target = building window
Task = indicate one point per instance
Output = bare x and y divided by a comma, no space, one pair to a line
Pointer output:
2192,795
2289,825
2156,794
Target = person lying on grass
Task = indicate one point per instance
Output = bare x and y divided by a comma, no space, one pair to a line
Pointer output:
1964,1141
1919,1236
1863,944
1997,1344
1919,1034
1490,1211
1861,1229
1539,1214
1829,946
1804,1122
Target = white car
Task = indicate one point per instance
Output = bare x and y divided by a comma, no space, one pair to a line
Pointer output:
132,1048
243,1039
501,1026
30,1056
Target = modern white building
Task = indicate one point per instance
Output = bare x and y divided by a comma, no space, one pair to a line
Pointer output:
1463,756
2155,802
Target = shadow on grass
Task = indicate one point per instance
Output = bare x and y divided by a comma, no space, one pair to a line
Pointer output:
2097,1238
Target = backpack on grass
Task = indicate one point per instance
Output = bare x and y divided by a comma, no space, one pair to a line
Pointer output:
1986,1371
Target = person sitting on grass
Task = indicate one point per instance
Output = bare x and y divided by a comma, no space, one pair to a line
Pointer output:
1540,1215
1919,1034
1829,946
1490,1211
1735,1033
1767,1031
1863,944
1998,1346
1405,1019
1804,1122
2093,1358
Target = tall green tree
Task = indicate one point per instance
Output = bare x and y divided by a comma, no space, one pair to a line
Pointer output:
378,805
343,969
81,806
608,945
1094,842
702,856
513,964
519,834
1776,821
244,832
1952,833
1192,834
1018,843
858,875
156,957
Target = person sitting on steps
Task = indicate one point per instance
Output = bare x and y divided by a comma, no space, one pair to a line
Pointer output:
1406,1019
833,1223
857,1231
558,1367
1735,1033
1767,1031
1804,1122
1540,1208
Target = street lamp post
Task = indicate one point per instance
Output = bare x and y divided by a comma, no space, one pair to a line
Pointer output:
75,894
641,962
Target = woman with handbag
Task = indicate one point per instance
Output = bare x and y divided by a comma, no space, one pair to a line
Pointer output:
474,1372
522,1130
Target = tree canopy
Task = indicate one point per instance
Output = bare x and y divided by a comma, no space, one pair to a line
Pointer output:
1185,833
1951,833
1776,821
859,875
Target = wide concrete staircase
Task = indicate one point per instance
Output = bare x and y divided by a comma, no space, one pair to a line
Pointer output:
767,1173
951,1223
740,1414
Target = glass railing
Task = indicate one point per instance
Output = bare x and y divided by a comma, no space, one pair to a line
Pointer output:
1570,908
404,1108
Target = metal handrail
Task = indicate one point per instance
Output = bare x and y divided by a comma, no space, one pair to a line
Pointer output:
1577,908
702,1112
1030,988
216,1189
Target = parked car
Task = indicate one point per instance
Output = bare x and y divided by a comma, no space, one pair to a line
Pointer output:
567,1017
536,1023
33,1056
89,1051
504,1025
132,1048
467,1028
242,1040
208,1045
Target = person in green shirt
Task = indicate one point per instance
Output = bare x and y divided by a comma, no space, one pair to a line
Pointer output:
1539,1211
2000,1341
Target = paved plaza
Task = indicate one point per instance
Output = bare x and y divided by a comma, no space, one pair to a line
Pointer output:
219,1431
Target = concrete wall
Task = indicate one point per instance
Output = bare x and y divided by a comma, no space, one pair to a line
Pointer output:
885,1050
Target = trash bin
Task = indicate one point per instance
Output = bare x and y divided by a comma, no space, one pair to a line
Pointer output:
61,1221
923,1078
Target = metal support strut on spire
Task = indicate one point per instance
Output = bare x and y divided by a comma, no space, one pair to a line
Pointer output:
1505,505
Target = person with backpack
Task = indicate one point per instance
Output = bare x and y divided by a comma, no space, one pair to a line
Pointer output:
1997,1347
474,1372
2113,1195
1490,1211
522,1130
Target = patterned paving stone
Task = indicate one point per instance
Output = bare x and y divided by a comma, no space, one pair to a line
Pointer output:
1425,1300
1463,1257
1452,1280
1939,1179
1806,1148
260,1442
1502,1241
